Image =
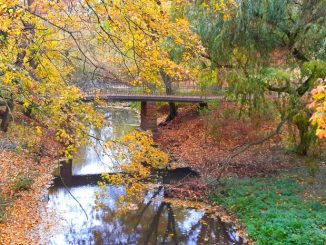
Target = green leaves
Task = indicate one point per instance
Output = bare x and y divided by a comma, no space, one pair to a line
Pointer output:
106,25
273,210
22,182
272,73
314,68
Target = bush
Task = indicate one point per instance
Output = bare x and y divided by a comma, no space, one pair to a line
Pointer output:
273,210
22,183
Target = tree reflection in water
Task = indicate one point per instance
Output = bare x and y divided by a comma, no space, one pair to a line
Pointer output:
97,159
151,222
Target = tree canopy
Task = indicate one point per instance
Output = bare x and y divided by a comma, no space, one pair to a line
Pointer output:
260,49
43,45
267,49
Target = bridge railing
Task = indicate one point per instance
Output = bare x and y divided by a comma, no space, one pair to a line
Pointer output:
178,89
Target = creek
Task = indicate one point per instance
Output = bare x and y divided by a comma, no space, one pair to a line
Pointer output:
151,221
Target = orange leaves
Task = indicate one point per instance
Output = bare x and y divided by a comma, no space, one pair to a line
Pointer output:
23,216
184,140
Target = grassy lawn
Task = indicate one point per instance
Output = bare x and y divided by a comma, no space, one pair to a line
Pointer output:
275,210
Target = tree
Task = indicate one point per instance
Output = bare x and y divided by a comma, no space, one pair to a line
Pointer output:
167,80
145,39
138,38
35,75
44,42
266,48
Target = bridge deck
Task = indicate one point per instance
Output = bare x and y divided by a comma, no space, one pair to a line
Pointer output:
150,97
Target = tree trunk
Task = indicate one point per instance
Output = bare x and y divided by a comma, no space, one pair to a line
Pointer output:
306,133
307,137
173,110
7,115
302,147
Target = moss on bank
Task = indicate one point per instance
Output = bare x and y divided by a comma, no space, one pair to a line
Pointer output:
274,210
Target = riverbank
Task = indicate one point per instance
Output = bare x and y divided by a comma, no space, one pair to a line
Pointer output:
26,174
276,196
191,142
188,144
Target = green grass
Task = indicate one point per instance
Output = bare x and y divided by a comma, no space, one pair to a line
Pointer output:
274,210
2,208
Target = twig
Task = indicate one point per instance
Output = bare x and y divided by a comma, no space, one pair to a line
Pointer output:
245,146
242,148
66,187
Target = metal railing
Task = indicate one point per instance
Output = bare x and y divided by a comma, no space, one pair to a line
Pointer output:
182,89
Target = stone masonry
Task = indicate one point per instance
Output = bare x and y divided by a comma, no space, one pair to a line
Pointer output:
148,117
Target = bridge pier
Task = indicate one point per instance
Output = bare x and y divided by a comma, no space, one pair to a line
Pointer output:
148,117
66,170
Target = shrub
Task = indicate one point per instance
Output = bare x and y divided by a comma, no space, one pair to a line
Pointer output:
22,183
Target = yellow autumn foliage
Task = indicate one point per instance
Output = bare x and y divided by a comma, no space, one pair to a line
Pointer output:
35,73
136,157
319,106
42,44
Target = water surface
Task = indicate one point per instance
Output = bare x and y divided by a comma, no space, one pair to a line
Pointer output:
151,221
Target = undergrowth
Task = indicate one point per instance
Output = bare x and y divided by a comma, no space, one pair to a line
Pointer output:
274,210
4,203
22,183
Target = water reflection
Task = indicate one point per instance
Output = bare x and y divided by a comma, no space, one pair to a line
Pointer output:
151,221
98,158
